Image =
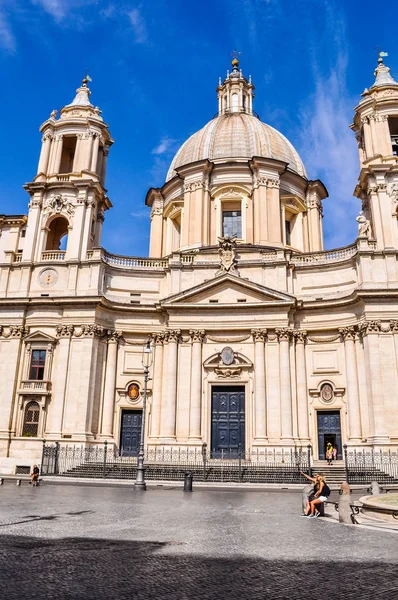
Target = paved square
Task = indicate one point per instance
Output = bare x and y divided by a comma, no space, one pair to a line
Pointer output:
72,542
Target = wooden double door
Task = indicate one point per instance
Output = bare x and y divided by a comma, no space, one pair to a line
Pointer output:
227,421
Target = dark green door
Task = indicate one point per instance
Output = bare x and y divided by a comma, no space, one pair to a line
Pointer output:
228,421
329,430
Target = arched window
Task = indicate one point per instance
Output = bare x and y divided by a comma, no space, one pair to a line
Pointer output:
57,236
31,420
234,102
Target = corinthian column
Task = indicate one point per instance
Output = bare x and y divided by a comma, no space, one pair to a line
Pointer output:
284,336
260,405
301,381
169,387
354,415
110,384
196,384
157,384
56,408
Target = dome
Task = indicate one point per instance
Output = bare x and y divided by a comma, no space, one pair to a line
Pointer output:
236,135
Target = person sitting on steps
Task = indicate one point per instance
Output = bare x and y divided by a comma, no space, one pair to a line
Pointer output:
319,494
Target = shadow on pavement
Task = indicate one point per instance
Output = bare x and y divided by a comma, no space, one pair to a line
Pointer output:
81,568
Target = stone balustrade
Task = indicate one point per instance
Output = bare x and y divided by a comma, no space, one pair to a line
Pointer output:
322,258
53,255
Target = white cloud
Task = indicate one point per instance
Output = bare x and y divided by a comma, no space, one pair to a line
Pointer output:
138,26
165,146
140,214
56,8
7,39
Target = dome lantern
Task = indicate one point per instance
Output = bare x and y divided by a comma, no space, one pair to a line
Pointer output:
235,94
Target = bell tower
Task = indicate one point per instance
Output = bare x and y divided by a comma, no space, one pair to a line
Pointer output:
68,197
376,129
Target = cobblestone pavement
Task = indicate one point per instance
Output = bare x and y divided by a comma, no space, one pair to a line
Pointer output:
75,542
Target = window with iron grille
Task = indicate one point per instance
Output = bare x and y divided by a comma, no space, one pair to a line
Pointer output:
232,223
37,363
31,420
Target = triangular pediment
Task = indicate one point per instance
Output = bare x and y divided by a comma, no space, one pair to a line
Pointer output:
39,336
226,290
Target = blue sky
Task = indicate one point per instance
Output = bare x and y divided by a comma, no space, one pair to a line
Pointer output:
155,66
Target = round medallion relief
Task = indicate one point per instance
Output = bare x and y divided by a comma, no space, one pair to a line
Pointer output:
327,392
227,355
48,277
133,391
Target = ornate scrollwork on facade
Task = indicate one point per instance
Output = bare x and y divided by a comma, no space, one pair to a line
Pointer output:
228,338
59,204
14,331
227,253
285,334
89,331
259,335
300,336
158,338
273,182
324,339
172,336
64,331
196,335
369,327
195,185
233,373
113,335
347,333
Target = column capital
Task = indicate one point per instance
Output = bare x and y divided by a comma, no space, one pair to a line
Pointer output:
347,333
197,335
172,335
14,331
259,335
300,336
88,331
64,331
394,326
158,338
284,334
369,327
113,336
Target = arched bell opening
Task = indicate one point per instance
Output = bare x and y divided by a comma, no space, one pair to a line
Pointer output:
57,236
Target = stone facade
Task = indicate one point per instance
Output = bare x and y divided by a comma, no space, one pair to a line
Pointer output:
262,311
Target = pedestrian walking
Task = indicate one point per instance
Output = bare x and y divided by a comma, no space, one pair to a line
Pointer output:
34,476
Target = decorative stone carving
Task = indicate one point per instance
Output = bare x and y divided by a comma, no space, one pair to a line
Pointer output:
259,335
172,335
228,338
323,339
89,331
285,334
227,356
227,253
113,336
327,393
394,326
158,338
370,327
58,204
300,336
273,182
64,330
196,335
363,225
234,373
347,333
14,331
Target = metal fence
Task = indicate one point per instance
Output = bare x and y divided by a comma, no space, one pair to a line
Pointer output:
272,466
365,466
102,461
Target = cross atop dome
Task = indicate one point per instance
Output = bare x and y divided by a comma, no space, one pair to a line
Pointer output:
235,94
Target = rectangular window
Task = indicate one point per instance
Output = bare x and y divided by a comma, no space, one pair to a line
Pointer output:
288,233
37,363
232,223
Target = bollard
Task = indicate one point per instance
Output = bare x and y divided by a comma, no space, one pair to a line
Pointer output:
188,477
18,482
375,488
304,498
345,504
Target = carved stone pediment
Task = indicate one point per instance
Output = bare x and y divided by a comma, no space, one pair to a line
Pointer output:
233,370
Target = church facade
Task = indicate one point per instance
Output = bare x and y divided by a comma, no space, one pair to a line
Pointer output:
261,339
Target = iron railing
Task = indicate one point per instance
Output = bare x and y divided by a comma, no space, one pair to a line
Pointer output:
365,466
258,466
103,461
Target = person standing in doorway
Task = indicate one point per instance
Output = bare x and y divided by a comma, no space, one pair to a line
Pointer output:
334,453
329,453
